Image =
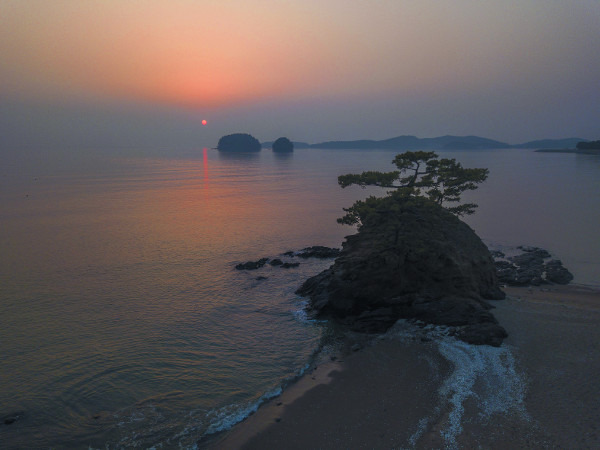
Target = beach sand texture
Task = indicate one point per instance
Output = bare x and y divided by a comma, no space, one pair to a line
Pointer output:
416,388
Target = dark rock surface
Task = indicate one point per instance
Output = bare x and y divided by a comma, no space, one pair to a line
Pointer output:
483,333
283,144
412,259
12,418
538,252
252,265
239,142
557,273
531,268
319,251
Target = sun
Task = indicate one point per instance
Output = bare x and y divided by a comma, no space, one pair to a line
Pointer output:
204,122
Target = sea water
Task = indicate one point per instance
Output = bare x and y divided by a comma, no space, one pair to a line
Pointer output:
123,321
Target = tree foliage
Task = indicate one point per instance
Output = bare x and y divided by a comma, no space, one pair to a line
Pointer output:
591,145
419,174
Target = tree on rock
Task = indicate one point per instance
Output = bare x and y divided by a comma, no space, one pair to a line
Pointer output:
419,174
239,142
412,258
283,144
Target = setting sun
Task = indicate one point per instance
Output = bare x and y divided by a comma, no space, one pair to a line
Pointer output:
204,122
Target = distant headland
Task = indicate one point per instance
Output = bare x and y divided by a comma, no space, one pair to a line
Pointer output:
448,142
586,148
243,142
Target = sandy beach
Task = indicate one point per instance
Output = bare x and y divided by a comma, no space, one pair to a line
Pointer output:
416,388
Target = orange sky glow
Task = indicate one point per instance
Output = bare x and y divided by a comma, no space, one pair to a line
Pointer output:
208,55
191,53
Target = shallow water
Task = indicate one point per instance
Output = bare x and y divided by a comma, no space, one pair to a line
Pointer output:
123,321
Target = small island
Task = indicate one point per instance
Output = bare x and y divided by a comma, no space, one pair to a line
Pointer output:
412,257
584,147
283,145
239,142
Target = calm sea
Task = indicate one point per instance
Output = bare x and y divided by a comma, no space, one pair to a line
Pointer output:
123,321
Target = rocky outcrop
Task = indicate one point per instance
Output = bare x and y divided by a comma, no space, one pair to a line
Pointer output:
252,265
239,142
283,145
411,259
532,267
557,273
317,251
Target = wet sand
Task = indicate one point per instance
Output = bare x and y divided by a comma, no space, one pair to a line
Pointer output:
556,333
355,402
539,390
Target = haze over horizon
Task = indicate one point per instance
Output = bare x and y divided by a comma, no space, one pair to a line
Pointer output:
128,74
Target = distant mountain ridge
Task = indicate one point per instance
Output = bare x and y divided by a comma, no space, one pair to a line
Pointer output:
553,143
408,142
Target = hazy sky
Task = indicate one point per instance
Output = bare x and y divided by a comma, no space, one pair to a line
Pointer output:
146,72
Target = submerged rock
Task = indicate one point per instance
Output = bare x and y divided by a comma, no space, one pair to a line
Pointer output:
12,418
319,251
412,259
537,251
252,265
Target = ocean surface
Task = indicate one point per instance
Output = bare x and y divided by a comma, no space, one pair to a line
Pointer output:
123,321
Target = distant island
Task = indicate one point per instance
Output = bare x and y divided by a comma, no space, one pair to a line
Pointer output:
551,143
283,145
296,144
583,147
239,142
448,142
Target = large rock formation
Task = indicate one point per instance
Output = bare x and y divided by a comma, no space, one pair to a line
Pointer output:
239,142
411,259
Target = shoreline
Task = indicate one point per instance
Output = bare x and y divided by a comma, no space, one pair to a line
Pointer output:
306,405
407,390
575,151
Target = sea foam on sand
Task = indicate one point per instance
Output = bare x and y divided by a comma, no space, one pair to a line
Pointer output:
418,387
501,388
483,374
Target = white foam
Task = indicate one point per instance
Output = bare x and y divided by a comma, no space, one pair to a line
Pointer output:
501,388
483,373
301,314
421,427
230,415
